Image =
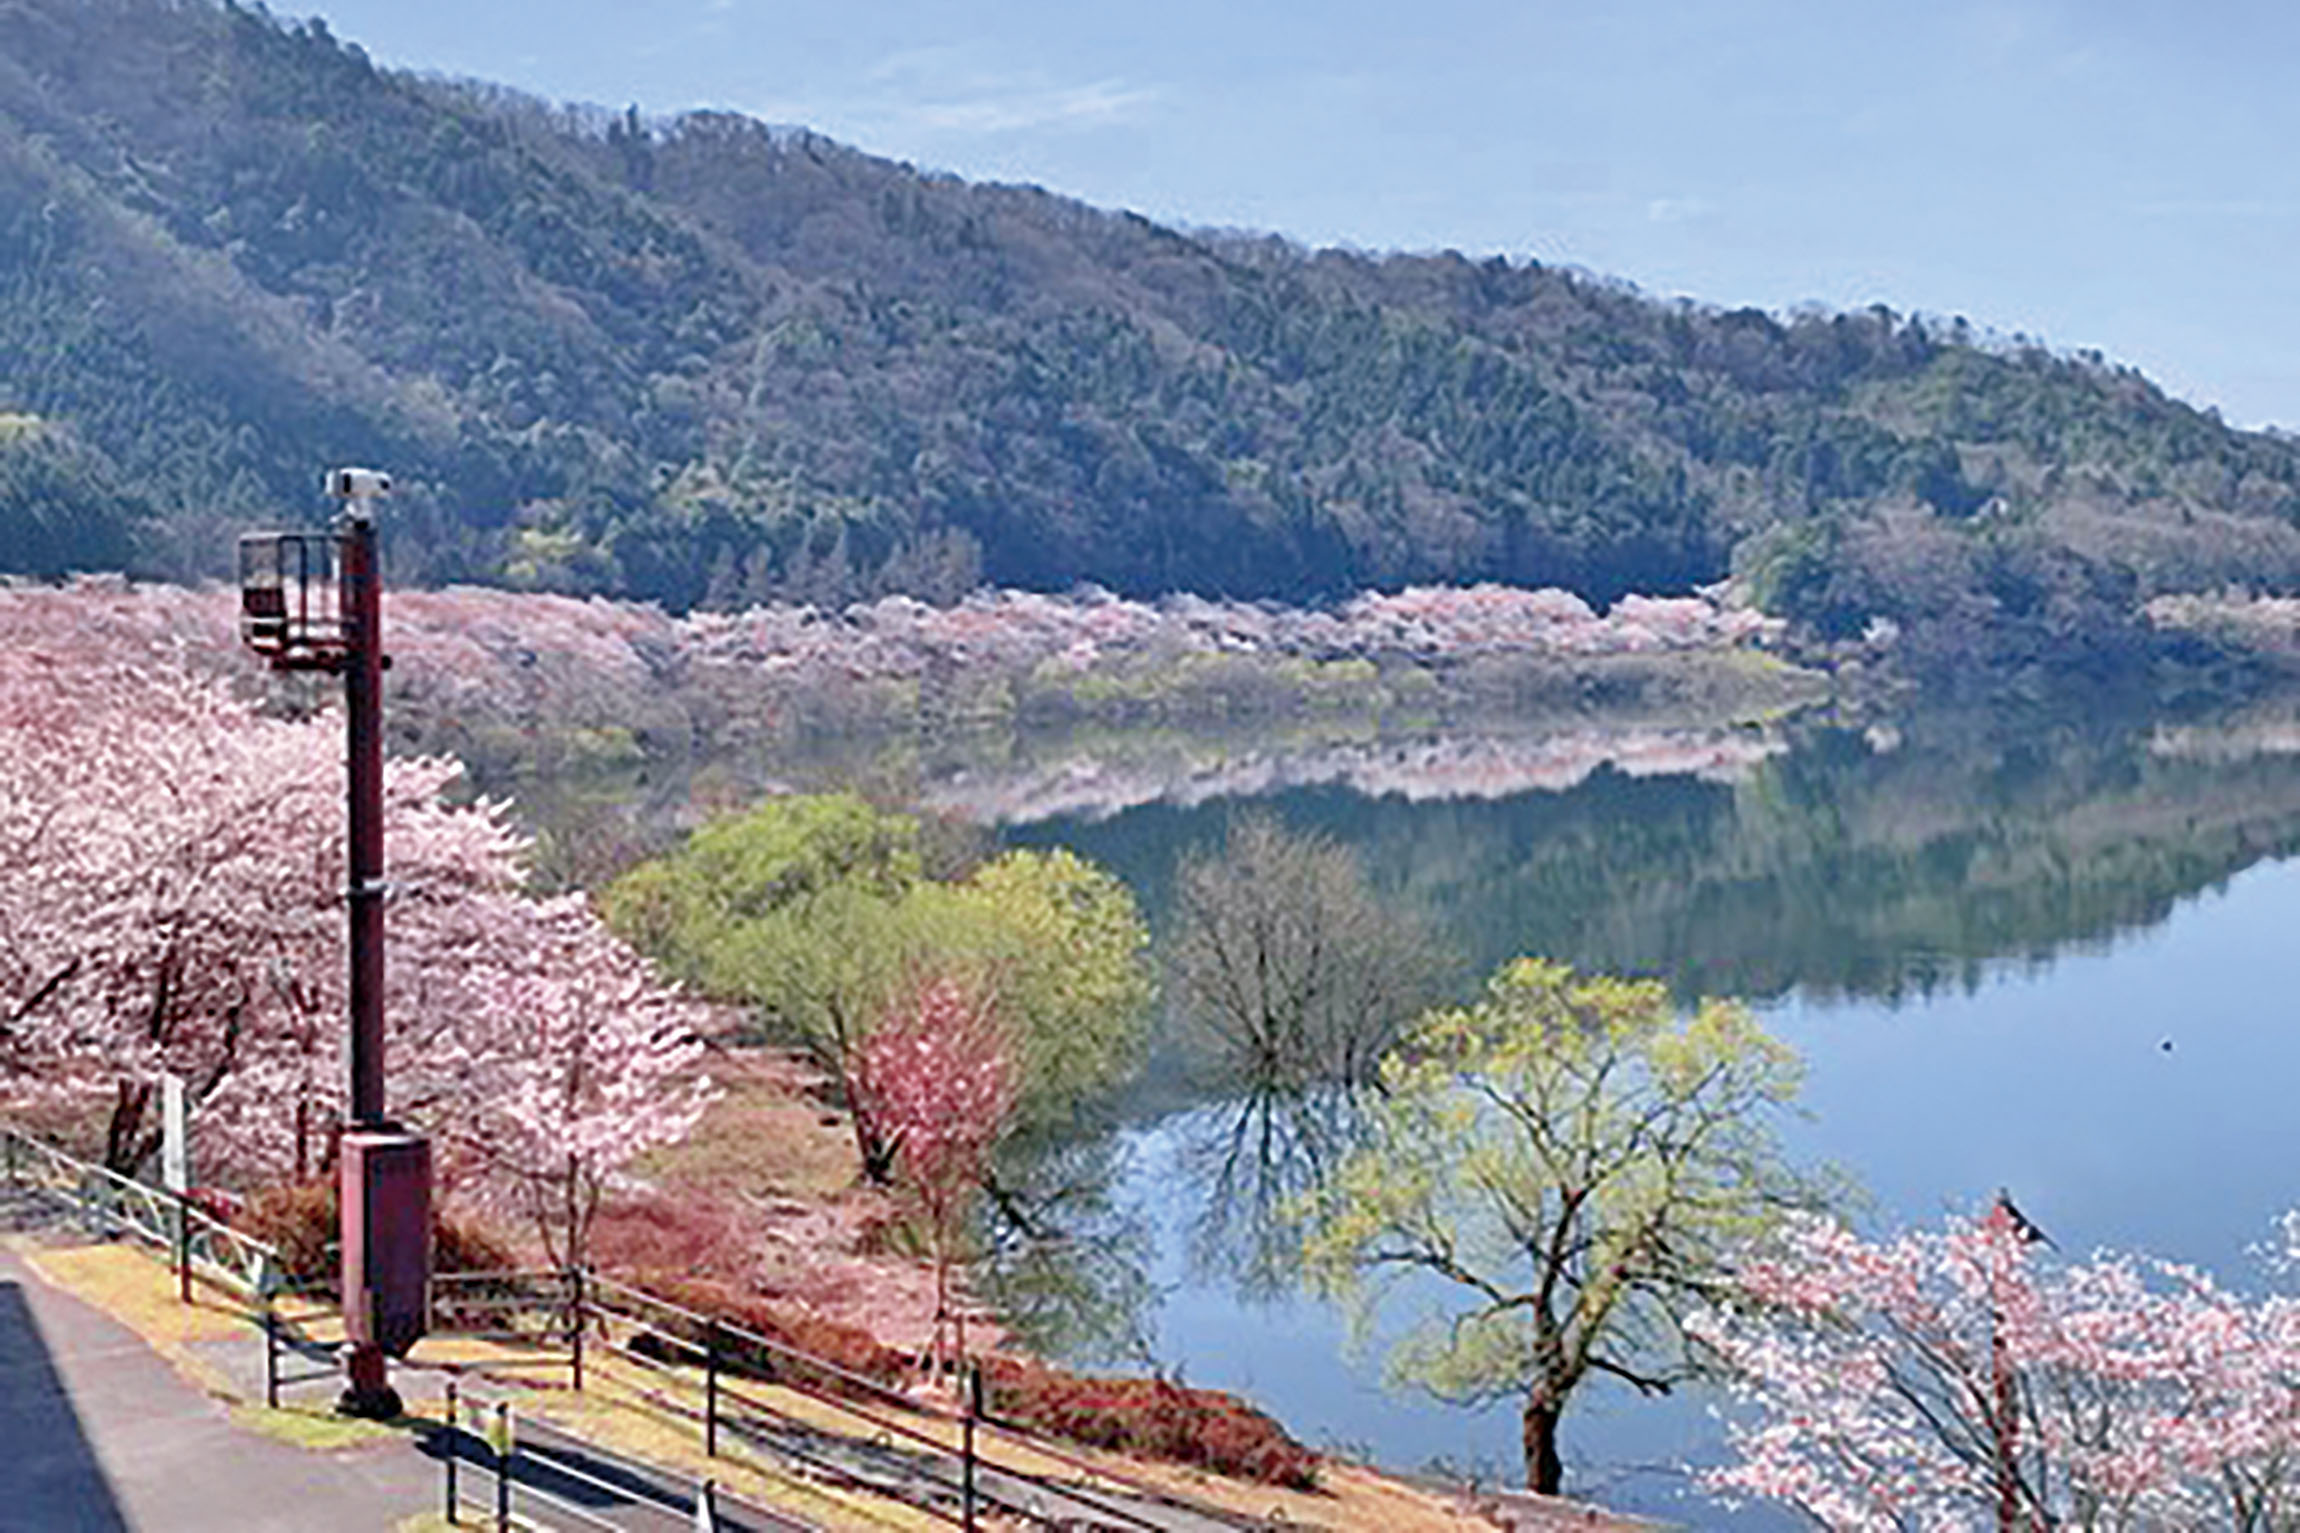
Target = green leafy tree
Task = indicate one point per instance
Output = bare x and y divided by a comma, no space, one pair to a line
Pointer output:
1568,1168
816,911
1064,947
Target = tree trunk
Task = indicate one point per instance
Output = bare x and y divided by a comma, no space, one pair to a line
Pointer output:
876,1154
1544,1471
125,1143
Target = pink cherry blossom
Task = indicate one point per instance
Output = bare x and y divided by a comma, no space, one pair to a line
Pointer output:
171,875
1936,1379
937,1077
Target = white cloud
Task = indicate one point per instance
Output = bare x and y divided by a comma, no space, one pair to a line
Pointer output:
1004,111
949,91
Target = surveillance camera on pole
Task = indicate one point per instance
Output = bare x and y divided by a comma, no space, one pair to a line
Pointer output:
358,485
386,1172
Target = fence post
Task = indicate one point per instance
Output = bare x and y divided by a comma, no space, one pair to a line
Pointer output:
15,1177
454,1445
973,1409
503,1449
711,1391
271,1354
577,1319
707,1506
183,1245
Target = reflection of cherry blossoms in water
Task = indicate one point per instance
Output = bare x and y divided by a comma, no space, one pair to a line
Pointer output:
1419,771
2232,740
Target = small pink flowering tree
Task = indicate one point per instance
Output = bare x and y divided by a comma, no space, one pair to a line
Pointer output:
1965,1379
938,1076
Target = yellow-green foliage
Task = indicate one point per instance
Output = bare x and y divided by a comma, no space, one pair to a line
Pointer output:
1575,1161
817,911
1062,945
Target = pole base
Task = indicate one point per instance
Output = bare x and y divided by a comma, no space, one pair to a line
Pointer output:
371,1404
367,1394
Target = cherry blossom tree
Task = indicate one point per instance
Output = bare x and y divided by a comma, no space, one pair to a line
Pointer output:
1965,1378
171,875
938,1075
568,1058
162,881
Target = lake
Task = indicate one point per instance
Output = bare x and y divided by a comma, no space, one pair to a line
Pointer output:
2048,954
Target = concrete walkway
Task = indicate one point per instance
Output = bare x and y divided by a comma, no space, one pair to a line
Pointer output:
99,1433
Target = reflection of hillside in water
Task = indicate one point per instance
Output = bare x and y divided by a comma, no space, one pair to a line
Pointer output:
1882,863
1094,785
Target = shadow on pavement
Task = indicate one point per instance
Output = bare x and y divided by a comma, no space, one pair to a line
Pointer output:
50,1478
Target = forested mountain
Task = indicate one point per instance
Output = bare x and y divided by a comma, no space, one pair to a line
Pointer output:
705,361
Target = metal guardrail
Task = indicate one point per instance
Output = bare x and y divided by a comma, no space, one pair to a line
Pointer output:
508,1468
562,1308
966,1489
197,1243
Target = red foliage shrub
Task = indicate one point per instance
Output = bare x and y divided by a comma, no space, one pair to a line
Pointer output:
300,1220
847,1349
659,1234
1149,1418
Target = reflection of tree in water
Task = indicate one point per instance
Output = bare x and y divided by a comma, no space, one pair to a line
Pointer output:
1247,1158
1063,1266
1880,863
1290,979
1885,862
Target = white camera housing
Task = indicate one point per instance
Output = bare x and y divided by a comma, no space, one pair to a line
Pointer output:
357,483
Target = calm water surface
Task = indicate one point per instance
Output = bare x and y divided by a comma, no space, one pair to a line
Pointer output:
2056,957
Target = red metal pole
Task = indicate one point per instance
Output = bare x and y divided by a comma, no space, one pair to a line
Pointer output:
368,1390
384,1175
363,711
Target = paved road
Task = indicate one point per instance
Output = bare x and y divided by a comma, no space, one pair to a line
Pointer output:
98,1433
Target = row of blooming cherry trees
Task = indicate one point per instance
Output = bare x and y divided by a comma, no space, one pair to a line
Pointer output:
472,662
170,901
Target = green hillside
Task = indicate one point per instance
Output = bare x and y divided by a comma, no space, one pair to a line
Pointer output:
708,362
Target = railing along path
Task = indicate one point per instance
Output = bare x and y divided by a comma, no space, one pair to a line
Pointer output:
561,1312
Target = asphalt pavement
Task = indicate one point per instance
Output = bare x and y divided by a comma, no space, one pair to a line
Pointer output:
98,1434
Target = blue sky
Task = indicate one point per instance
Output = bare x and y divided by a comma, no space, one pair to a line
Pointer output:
2114,175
